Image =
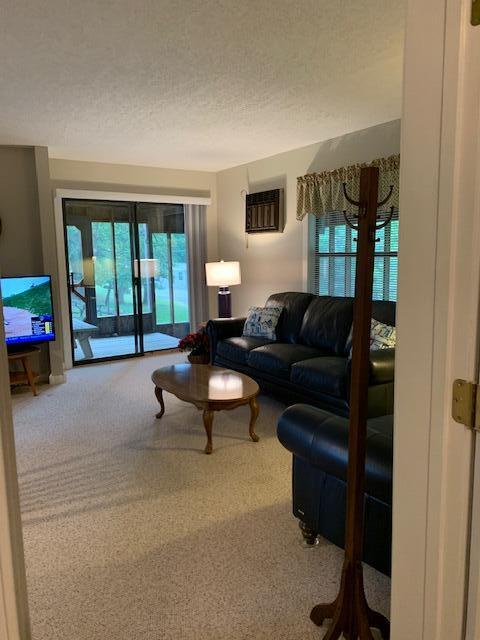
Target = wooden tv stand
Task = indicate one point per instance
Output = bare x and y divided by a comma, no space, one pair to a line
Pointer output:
27,376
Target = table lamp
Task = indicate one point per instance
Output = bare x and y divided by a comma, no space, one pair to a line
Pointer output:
223,275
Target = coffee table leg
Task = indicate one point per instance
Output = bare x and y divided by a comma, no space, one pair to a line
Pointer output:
254,411
159,395
208,424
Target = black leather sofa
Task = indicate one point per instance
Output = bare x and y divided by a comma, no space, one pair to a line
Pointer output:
319,443
308,361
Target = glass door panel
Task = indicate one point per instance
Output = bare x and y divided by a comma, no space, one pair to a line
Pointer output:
74,248
147,270
123,260
100,258
180,278
162,281
164,265
103,258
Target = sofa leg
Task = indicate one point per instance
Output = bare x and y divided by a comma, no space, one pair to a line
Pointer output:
309,535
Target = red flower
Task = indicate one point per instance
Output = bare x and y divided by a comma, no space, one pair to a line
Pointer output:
195,342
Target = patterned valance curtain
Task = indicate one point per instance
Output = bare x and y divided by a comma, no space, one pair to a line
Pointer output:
321,193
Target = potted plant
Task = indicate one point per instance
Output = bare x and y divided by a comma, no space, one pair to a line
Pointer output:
198,346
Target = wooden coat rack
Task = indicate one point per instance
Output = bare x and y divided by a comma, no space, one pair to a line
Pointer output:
350,614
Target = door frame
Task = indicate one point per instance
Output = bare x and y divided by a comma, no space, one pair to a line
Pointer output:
14,613
438,295
60,194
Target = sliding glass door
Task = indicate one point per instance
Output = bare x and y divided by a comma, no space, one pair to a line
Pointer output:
127,271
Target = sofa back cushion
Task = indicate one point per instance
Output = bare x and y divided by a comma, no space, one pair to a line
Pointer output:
294,306
326,324
384,311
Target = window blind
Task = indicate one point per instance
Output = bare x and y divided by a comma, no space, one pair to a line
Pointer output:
335,258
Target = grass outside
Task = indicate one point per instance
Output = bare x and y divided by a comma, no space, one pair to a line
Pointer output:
162,309
180,310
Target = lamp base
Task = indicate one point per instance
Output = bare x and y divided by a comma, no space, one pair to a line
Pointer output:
224,303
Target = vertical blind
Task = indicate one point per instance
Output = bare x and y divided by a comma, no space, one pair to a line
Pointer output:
335,258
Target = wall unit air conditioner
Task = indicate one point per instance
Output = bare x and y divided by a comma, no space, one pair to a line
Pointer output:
265,211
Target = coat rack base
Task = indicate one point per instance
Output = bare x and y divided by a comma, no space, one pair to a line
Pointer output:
350,615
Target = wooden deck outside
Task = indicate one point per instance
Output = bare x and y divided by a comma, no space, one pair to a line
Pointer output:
125,345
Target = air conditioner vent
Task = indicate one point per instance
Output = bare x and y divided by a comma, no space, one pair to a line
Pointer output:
265,211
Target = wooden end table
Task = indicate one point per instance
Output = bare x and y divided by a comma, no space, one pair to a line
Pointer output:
210,389
27,376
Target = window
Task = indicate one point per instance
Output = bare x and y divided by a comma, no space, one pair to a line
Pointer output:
335,258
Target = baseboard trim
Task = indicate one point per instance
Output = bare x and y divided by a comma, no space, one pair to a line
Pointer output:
58,379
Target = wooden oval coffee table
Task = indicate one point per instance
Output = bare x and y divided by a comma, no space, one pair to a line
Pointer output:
210,389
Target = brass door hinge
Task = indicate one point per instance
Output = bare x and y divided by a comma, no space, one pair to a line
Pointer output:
475,12
466,404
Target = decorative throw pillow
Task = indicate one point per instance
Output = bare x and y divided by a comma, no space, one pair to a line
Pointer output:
382,336
261,322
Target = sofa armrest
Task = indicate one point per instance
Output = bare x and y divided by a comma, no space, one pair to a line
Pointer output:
220,329
321,439
300,425
382,366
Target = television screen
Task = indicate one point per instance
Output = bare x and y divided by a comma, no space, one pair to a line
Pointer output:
27,309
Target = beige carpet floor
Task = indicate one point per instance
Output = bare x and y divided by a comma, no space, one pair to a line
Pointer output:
132,532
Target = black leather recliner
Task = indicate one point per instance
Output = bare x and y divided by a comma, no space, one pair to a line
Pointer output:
319,443
308,361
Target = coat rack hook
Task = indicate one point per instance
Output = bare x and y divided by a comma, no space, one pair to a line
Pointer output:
347,197
388,220
350,224
385,200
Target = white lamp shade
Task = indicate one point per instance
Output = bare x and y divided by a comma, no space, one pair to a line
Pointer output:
222,274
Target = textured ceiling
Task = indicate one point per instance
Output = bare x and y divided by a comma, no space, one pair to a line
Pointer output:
195,84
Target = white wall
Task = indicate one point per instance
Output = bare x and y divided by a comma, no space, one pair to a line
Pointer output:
21,251
275,261
72,174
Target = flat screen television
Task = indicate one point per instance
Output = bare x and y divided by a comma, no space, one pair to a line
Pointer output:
27,310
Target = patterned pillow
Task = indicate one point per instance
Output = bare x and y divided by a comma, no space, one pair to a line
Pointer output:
261,322
382,336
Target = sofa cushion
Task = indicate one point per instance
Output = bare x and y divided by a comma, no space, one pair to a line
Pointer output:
384,311
382,336
277,358
327,374
326,324
294,306
237,349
